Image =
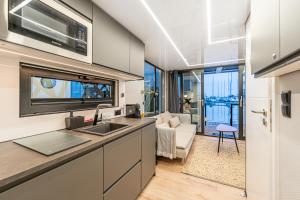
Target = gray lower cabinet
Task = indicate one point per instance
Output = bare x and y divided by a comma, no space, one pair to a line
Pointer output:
128,187
77,180
121,155
85,7
289,27
137,56
148,153
264,33
110,41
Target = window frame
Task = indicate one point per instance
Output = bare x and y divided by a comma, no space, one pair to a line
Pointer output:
162,95
31,107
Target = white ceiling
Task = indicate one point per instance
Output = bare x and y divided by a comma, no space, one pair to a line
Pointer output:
186,22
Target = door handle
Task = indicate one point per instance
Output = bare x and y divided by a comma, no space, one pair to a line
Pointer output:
241,101
263,112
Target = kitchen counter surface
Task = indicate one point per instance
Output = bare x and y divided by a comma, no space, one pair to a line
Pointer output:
19,164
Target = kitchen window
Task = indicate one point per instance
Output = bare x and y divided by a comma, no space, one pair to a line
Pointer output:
44,90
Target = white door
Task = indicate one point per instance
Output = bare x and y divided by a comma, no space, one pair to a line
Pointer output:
258,135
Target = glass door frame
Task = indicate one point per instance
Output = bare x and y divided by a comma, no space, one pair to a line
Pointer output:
241,72
180,74
163,79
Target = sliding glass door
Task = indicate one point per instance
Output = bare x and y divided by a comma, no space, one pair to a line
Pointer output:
192,96
154,90
221,98
213,96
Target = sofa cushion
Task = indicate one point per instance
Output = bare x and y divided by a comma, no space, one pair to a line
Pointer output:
174,122
166,117
184,134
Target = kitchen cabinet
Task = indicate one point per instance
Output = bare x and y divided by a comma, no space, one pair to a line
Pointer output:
118,169
76,180
121,155
110,41
148,153
275,40
289,27
84,7
137,56
264,33
128,187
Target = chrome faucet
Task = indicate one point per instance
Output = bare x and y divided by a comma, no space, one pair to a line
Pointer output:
100,106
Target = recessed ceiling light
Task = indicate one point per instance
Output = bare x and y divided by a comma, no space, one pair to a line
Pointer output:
164,31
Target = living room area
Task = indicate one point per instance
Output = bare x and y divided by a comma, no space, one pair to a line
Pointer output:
200,125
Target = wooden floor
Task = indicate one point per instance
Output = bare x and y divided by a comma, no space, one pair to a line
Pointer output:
170,184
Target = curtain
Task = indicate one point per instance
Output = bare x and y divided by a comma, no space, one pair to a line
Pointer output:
173,101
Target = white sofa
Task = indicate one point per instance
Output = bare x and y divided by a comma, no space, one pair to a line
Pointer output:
174,142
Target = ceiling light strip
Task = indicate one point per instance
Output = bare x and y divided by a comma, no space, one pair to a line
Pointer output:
209,27
208,16
219,62
196,76
227,40
164,31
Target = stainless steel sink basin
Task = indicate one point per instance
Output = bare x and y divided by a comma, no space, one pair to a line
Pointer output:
104,128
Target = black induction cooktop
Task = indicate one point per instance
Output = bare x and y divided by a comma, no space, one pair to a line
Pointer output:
51,143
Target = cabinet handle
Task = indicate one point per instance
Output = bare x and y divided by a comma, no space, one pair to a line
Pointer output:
274,56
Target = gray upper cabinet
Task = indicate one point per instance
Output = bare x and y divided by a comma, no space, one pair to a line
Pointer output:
264,33
110,41
137,56
148,153
85,7
79,179
289,26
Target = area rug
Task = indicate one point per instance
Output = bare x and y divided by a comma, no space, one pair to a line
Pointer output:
226,168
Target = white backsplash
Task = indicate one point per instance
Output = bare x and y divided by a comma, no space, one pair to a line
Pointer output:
135,92
12,126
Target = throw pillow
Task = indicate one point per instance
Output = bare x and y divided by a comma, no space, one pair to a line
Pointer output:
174,122
166,117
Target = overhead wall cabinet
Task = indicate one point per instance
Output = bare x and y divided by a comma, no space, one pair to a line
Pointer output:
264,33
114,46
274,34
289,27
110,41
85,7
137,56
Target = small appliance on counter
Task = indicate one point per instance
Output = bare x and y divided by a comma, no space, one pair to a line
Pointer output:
133,111
74,122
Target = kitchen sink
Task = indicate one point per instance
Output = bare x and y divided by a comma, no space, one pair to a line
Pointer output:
104,128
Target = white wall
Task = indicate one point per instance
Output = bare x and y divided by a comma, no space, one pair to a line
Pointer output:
289,140
135,93
11,125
